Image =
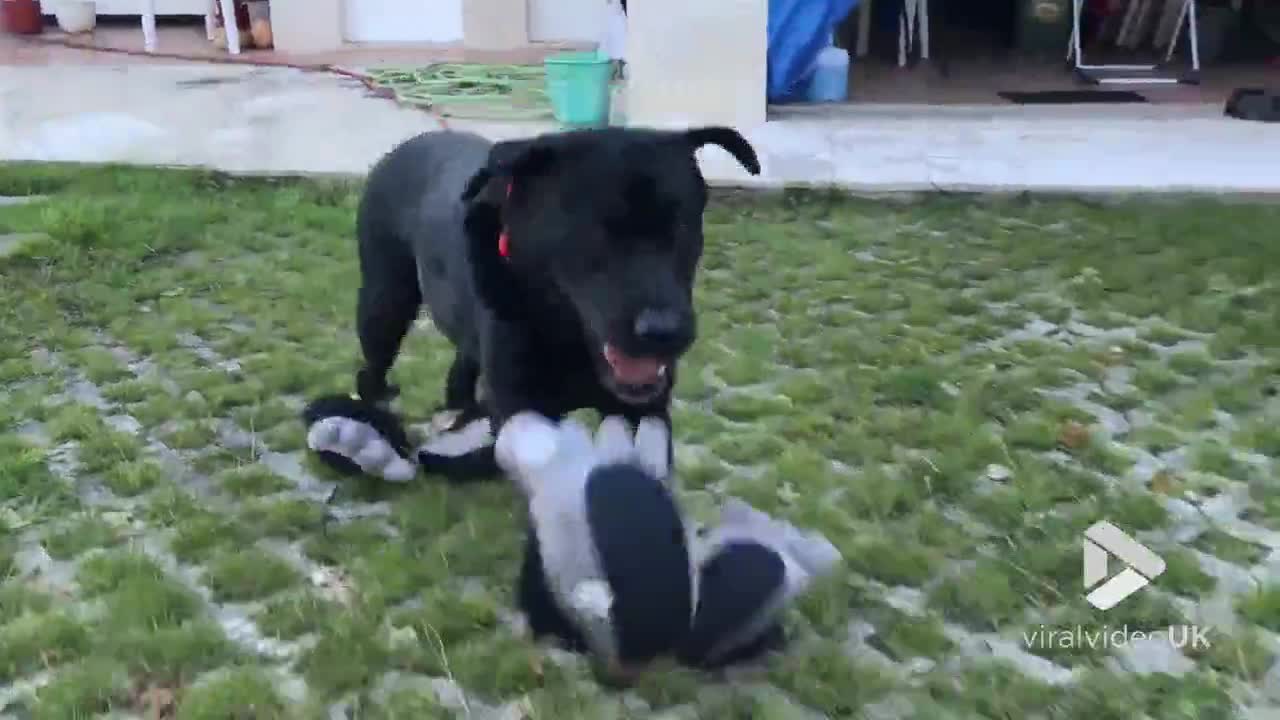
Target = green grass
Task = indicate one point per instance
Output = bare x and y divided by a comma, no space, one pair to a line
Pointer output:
129,479
1262,436
243,692
868,400
190,436
1192,363
1243,655
407,703
17,599
1184,576
150,625
1223,545
985,598
200,537
285,518
1219,459
290,617
1262,607
1156,379
132,391
81,535
1165,334
99,365
349,653
242,575
252,480
1157,439
83,690
26,481
38,640
903,637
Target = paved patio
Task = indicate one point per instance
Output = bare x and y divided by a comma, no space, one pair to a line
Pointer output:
245,118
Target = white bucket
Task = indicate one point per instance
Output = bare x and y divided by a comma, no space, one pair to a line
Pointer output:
76,16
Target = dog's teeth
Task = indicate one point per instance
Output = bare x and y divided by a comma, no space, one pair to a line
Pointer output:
662,371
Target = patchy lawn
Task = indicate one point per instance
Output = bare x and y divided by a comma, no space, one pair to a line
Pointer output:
951,390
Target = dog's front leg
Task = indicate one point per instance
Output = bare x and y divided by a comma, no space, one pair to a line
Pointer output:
506,391
515,376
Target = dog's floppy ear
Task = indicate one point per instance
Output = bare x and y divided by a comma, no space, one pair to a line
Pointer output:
509,162
477,184
510,167
729,139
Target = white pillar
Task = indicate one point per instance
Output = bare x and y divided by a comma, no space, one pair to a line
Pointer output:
696,62
231,27
302,26
495,24
149,25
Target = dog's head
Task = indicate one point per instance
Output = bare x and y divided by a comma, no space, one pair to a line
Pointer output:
604,229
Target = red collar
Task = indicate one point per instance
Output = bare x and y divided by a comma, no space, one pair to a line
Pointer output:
504,237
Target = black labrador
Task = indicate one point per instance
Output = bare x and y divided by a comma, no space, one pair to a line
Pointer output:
561,267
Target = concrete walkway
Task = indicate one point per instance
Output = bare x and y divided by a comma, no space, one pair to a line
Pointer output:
279,120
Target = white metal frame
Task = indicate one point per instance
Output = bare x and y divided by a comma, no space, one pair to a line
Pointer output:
149,39
912,10
864,27
907,26
1186,14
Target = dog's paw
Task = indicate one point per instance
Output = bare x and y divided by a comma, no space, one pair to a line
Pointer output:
323,435
399,470
374,389
467,439
464,417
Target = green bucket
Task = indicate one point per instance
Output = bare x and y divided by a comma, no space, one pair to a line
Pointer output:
578,84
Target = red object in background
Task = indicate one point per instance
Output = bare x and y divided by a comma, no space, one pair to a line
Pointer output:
243,21
21,17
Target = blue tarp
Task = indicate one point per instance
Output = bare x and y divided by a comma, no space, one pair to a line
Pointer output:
798,31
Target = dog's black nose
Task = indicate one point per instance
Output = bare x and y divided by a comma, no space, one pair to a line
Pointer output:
659,326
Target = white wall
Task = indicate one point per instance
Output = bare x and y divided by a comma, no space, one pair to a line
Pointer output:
566,20
692,62
393,21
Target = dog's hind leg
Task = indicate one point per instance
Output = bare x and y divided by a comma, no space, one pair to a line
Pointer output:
460,391
384,313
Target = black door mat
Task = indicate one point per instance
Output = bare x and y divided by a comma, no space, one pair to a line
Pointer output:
1072,97
1253,104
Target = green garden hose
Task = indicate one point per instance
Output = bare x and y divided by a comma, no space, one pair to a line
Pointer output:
492,92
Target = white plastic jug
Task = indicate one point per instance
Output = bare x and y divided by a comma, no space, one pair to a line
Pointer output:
830,81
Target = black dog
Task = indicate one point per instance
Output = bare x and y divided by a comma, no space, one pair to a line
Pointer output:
561,268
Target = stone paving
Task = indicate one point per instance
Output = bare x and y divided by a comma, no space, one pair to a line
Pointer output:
951,390
280,120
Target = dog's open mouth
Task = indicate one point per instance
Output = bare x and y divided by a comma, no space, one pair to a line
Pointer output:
635,378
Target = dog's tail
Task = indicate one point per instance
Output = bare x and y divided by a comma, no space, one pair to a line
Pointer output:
476,465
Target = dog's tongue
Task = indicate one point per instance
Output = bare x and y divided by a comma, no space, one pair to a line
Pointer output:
631,370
